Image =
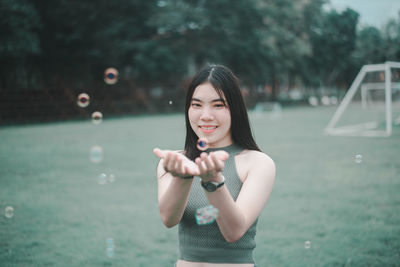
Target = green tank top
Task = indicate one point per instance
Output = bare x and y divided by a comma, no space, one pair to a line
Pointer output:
205,243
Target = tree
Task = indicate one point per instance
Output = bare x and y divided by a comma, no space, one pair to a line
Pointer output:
333,43
218,31
19,42
391,35
285,39
81,38
369,47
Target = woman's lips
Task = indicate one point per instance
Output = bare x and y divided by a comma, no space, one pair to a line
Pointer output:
208,128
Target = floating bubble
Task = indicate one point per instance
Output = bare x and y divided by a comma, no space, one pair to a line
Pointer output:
83,100
97,117
202,144
206,215
111,76
111,178
110,247
307,244
9,212
313,101
358,158
170,102
96,154
102,179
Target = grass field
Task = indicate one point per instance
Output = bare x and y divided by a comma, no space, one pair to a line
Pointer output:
348,212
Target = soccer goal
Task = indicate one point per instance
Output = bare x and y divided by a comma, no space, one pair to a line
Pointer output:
372,104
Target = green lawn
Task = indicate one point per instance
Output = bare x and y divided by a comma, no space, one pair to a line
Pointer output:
348,211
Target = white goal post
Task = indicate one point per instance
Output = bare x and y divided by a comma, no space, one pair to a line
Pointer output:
364,89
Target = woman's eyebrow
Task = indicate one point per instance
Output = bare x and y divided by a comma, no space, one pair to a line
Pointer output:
214,100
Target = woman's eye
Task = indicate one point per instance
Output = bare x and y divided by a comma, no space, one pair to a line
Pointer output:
195,105
221,105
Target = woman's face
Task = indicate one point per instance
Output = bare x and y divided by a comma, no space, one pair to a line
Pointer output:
210,117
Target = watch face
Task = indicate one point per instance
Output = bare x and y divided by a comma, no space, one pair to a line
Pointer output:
210,187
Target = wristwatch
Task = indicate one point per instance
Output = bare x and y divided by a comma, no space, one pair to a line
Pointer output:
212,186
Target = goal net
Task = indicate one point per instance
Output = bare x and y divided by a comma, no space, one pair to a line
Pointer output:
372,104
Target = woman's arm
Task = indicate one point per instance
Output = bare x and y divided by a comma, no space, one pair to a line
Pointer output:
173,190
173,194
236,217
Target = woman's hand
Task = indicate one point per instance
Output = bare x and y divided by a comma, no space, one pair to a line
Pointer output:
211,165
176,163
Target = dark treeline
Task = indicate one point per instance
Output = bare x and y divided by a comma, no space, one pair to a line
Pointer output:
50,51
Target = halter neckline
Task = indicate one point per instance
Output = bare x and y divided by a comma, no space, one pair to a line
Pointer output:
232,148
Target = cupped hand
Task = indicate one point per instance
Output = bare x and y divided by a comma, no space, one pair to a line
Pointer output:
176,163
211,165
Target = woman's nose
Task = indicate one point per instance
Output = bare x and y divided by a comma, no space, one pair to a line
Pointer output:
206,115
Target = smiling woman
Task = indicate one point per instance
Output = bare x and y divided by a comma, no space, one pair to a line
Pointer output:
232,176
209,116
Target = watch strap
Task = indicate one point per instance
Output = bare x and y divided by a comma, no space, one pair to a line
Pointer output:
213,186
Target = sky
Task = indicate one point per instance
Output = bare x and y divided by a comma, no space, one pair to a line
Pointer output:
372,12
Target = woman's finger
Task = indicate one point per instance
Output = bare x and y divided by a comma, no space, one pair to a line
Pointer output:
158,152
179,166
208,161
203,156
219,164
172,163
197,161
201,165
176,164
221,155
167,161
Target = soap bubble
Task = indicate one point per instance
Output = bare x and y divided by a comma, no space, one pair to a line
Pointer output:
111,76
206,215
307,244
110,247
358,158
97,117
83,100
9,212
111,178
202,144
102,179
96,154
170,102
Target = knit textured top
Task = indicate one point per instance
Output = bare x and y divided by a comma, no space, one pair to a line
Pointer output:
205,243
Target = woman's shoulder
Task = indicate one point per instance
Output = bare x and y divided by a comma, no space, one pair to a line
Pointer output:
255,154
254,162
256,158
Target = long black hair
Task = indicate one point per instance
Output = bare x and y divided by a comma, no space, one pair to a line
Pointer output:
225,83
